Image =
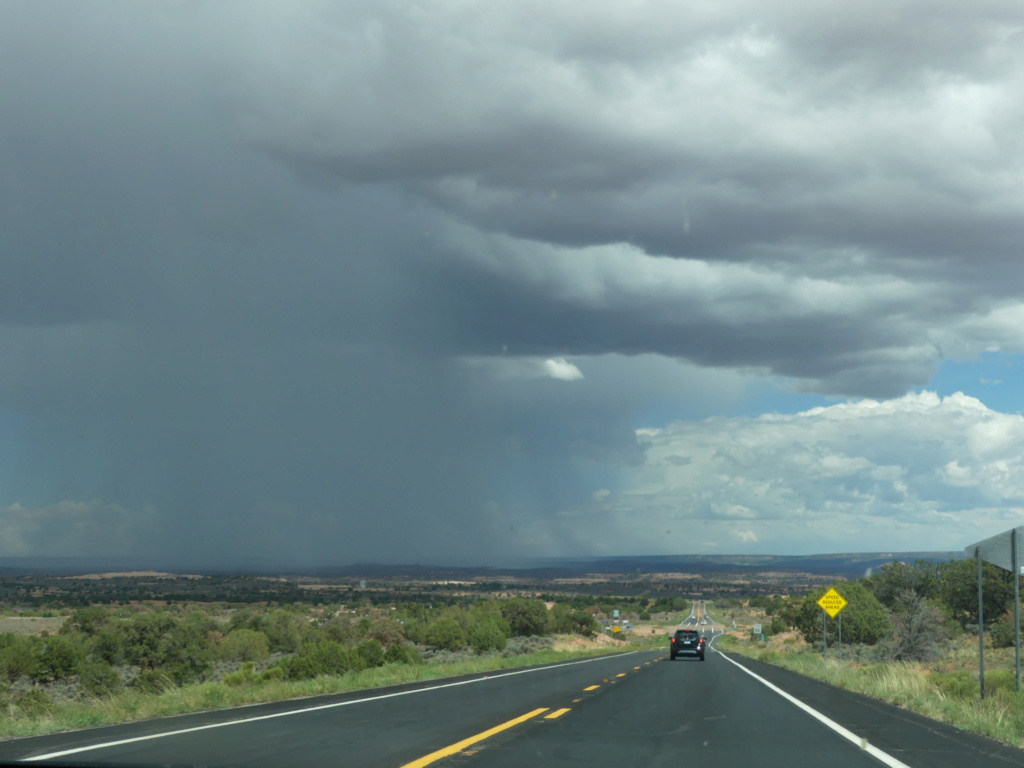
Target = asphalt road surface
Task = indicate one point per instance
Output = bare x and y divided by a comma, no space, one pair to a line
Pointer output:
636,709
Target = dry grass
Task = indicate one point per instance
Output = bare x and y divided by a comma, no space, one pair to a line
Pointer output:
945,690
29,625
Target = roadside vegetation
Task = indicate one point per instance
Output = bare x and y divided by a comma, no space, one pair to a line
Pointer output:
110,664
909,638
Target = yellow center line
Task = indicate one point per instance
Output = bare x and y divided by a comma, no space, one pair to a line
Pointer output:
636,667
592,688
461,745
621,674
576,701
556,713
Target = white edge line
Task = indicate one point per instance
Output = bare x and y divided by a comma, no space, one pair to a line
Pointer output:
847,734
104,745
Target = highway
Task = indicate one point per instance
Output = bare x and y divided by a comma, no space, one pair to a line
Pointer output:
628,709
699,616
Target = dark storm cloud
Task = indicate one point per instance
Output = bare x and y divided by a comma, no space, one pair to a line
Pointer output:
813,140
295,281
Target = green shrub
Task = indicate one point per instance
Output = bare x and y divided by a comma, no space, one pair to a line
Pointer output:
371,653
415,631
154,681
563,618
323,657
526,617
865,620
108,645
447,634
955,685
272,673
245,645
1001,635
247,674
284,630
88,621
518,646
487,635
402,654
98,678
58,657
18,657
234,679
1000,680
34,702
177,646
344,629
386,631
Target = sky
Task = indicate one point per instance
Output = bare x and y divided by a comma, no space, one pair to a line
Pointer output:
317,283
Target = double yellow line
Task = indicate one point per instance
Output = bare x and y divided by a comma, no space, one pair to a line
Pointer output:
461,745
453,749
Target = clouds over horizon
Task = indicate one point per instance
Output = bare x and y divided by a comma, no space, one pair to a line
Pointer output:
343,279
918,472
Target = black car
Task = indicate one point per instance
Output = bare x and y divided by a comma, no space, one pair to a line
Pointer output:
686,642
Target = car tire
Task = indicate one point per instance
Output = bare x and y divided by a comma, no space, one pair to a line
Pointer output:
702,657
672,657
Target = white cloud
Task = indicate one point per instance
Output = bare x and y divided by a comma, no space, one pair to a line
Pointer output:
940,470
560,368
913,473
526,367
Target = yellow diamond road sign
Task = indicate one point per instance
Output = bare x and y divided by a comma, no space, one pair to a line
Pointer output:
832,603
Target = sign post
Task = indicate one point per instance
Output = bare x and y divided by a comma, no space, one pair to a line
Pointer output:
1016,609
981,631
1002,550
831,603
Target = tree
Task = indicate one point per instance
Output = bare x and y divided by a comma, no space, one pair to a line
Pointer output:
109,645
447,633
371,653
177,647
386,631
88,621
488,634
526,617
958,589
565,620
58,657
284,630
144,636
344,629
892,580
918,629
865,620
18,656
245,645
